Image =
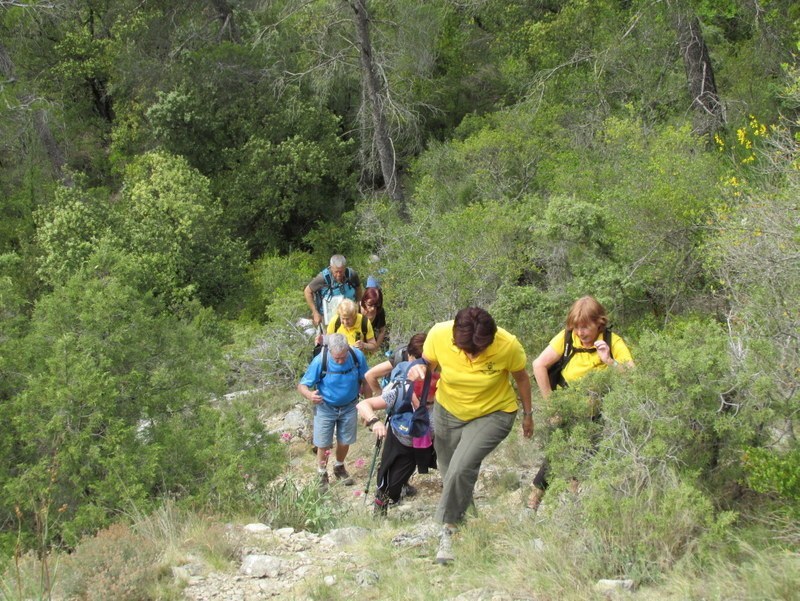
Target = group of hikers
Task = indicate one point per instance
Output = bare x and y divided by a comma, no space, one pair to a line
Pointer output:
448,394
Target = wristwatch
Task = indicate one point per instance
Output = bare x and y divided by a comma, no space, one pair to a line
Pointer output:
372,422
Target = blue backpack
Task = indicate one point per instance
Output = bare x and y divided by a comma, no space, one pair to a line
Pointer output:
333,288
404,418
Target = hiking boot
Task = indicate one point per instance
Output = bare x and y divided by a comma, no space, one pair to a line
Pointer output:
408,491
444,554
535,498
380,508
323,482
340,473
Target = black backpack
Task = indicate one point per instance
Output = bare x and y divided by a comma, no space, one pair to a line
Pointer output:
554,371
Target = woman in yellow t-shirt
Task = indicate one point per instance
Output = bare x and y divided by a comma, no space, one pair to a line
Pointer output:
476,405
354,326
586,323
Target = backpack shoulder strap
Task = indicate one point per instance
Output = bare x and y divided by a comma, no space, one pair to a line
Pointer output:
324,362
355,364
607,338
337,323
364,326
568,348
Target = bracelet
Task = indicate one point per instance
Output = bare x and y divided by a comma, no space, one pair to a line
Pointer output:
372,422
527,413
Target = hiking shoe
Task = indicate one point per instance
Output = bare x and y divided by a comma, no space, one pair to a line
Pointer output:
444,554
408,490
380,508
340,473
323,482
535,498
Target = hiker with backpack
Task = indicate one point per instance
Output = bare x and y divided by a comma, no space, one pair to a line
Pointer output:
372,309
404,353
406,435
353,326
585,345
476,406
333,284
332,382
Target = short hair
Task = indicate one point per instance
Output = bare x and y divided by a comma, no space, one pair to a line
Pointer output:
338,261
374,296
337,343
414,346
587,310
473,330
347,308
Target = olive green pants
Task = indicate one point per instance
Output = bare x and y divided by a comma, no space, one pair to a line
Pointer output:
460,448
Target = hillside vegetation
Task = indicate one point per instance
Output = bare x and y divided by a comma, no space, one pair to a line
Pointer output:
173,173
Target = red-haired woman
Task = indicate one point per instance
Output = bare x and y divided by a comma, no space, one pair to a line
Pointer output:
372,309
592,348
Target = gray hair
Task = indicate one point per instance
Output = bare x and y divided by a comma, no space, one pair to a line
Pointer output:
337,343
338,261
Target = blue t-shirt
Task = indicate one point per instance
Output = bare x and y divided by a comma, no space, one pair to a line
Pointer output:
340,385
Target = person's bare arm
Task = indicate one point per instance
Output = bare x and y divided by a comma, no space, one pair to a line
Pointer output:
374,375
315,315
541,364
523,381
366,411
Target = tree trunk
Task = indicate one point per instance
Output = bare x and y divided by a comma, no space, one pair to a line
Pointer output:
709,111
225,15
375,97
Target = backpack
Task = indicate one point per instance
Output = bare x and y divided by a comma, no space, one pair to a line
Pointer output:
404,418
338,323
325,364
554,371
327,292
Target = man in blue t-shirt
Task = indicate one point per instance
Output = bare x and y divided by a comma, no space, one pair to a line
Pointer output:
332,382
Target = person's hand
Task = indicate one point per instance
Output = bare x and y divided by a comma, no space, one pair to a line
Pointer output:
379,429
317,317
315,397
358,344
604,352
527,426
318,339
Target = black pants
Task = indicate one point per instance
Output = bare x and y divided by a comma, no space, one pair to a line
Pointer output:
398,463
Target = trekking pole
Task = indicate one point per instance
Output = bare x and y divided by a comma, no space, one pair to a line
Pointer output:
372,467
378,444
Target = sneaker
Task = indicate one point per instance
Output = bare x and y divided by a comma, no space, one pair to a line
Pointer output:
535,498
323,481
408,490
444,554
340,473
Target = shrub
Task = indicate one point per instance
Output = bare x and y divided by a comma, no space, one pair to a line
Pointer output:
115,564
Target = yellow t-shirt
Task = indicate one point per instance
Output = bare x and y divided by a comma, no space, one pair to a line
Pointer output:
353,334
582,363
471,389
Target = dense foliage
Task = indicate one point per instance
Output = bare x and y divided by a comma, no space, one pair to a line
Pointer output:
173,173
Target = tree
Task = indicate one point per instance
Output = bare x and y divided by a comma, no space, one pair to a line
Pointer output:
373,91
709,110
